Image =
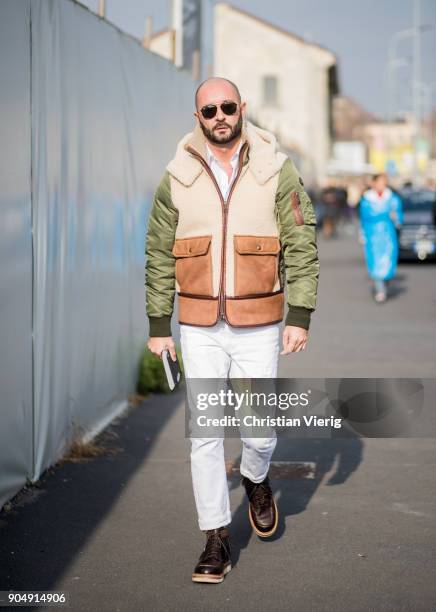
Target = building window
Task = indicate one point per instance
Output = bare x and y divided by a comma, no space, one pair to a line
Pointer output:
270,90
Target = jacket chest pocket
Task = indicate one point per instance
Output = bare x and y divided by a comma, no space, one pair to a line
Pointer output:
194,265
256,264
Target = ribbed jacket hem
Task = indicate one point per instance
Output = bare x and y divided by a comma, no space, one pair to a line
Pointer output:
160,326
298,316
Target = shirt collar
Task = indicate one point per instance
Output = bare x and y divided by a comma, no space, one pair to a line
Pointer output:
211,156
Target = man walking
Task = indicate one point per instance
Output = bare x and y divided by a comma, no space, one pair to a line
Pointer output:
230,226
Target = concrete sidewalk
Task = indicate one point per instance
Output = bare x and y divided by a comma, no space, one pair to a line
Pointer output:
120,532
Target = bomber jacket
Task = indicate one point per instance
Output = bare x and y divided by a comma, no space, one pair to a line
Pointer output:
231,259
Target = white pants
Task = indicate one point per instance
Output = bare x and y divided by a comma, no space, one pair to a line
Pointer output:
223,351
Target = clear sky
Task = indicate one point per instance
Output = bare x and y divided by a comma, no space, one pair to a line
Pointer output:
357,31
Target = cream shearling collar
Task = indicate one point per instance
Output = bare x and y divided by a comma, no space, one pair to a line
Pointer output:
264,161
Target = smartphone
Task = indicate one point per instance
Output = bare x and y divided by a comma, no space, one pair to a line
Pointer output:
172,369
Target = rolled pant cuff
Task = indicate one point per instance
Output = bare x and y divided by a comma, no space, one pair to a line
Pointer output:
250,477
206,525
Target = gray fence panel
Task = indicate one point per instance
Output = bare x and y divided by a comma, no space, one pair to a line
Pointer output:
106,116
15,249
106,119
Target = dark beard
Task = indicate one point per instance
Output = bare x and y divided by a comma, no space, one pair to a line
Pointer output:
235,132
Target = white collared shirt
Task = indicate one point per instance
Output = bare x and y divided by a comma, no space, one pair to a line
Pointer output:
219,172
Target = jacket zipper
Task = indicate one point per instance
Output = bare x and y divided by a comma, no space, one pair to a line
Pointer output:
224,211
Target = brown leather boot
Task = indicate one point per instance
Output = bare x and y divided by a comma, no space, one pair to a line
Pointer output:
262,508
215,561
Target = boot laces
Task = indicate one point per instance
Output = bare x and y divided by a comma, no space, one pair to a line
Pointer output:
261,496
212,550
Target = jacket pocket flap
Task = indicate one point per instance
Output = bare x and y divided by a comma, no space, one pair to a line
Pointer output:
189,247
259,245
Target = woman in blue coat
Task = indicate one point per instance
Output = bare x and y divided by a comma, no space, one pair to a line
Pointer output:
381,213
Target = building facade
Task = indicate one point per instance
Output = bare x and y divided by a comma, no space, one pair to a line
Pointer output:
287,82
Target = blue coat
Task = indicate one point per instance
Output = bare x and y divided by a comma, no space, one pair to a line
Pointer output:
379,231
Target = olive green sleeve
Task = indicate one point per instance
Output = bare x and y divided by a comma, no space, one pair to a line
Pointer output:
297,230
160,281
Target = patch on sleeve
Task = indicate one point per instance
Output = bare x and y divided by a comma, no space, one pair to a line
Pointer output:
296,208
301,181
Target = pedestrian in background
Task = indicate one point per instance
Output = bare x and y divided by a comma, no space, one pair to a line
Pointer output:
381,215
330,201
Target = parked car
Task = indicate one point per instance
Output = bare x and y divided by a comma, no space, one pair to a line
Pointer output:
418,234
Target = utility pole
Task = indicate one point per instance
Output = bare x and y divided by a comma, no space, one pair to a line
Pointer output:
416,93
148,31
393,63
177,25
196,65
101,8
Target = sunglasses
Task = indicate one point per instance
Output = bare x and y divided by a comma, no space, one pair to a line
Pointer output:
210,110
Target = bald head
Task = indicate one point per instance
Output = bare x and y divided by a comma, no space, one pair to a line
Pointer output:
216,88
223,125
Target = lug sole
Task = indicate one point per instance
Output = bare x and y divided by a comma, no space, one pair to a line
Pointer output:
210,578
264,534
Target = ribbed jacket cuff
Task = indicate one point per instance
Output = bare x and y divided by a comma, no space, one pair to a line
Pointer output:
298,316
160,327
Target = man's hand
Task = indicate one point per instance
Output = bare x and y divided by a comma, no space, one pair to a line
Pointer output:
294,339
157,345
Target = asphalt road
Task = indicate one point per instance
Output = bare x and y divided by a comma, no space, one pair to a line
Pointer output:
352,336
119,533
